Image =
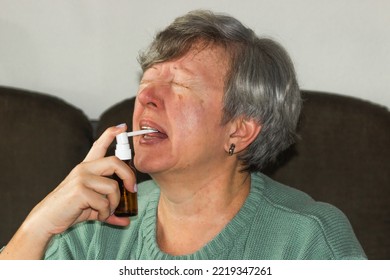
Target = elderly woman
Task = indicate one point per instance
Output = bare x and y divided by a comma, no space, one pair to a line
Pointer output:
225,103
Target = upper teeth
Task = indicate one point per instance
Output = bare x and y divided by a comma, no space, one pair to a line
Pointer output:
148,127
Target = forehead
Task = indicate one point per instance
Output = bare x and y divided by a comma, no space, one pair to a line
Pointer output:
209,59
207,54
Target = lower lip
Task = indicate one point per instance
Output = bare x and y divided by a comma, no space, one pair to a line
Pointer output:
151,140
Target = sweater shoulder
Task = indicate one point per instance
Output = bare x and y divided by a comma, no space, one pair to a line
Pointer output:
290,199
317,222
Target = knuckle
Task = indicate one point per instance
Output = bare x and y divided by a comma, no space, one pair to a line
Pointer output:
78,187
112,185
114,159
105,204
97,143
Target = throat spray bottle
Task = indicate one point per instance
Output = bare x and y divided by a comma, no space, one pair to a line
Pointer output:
128,204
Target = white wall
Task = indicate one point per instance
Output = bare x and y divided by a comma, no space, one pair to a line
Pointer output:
85,51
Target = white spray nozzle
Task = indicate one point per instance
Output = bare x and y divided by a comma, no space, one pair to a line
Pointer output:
140,132
123,150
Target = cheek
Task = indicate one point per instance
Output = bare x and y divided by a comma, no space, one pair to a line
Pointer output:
196,121
189,115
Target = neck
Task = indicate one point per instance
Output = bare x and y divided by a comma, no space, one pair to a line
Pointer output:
193,211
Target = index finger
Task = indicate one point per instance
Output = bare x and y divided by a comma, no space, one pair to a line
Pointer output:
100,146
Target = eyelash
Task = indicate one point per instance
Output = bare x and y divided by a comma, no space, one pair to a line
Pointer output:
175,83
180,85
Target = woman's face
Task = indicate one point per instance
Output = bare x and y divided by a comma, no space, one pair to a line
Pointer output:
182,99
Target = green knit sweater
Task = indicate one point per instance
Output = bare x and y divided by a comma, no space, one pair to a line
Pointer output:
275,222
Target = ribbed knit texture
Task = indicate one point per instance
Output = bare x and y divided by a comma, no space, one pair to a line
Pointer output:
275,222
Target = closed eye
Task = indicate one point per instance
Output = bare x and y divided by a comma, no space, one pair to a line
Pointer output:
180,84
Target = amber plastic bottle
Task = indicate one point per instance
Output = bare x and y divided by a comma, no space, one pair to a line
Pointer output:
128,204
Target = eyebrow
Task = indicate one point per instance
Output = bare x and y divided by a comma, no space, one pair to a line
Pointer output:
185,70
181,68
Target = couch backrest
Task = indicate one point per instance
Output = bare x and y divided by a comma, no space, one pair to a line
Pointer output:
41,139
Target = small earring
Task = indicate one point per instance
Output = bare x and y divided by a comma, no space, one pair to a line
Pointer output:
231,149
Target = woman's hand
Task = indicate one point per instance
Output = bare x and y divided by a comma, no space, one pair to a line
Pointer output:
87,193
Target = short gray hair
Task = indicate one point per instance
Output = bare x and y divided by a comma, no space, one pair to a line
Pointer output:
260,84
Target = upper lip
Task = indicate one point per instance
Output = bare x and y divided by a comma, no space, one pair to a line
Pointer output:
148,124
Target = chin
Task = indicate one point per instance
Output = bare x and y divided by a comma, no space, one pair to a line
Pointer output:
148,166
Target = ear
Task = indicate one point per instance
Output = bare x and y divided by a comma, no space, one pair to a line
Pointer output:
243,131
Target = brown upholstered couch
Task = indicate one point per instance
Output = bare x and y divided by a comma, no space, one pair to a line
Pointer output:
342,157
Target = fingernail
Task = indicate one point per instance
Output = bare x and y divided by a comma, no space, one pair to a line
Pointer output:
121,125
135,188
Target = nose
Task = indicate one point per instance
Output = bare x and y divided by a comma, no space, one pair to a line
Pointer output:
150,96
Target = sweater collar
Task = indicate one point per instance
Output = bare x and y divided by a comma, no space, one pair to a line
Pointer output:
217,248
